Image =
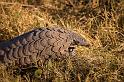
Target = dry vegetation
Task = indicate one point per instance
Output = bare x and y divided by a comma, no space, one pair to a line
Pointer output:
101,21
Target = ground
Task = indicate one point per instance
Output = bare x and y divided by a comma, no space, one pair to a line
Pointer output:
100,22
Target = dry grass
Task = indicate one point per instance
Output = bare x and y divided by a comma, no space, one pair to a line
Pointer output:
101,22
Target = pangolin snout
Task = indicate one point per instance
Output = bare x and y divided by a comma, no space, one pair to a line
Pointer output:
80,41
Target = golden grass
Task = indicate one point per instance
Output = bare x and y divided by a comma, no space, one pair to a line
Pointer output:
101,22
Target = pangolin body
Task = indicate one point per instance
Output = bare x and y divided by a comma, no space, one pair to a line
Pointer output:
39,45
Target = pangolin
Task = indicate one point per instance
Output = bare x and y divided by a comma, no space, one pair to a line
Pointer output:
39,45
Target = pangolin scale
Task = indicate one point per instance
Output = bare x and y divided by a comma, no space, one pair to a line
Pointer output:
39,45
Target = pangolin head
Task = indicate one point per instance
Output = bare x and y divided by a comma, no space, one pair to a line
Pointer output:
79,40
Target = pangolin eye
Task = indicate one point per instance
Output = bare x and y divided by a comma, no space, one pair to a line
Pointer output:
71,49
